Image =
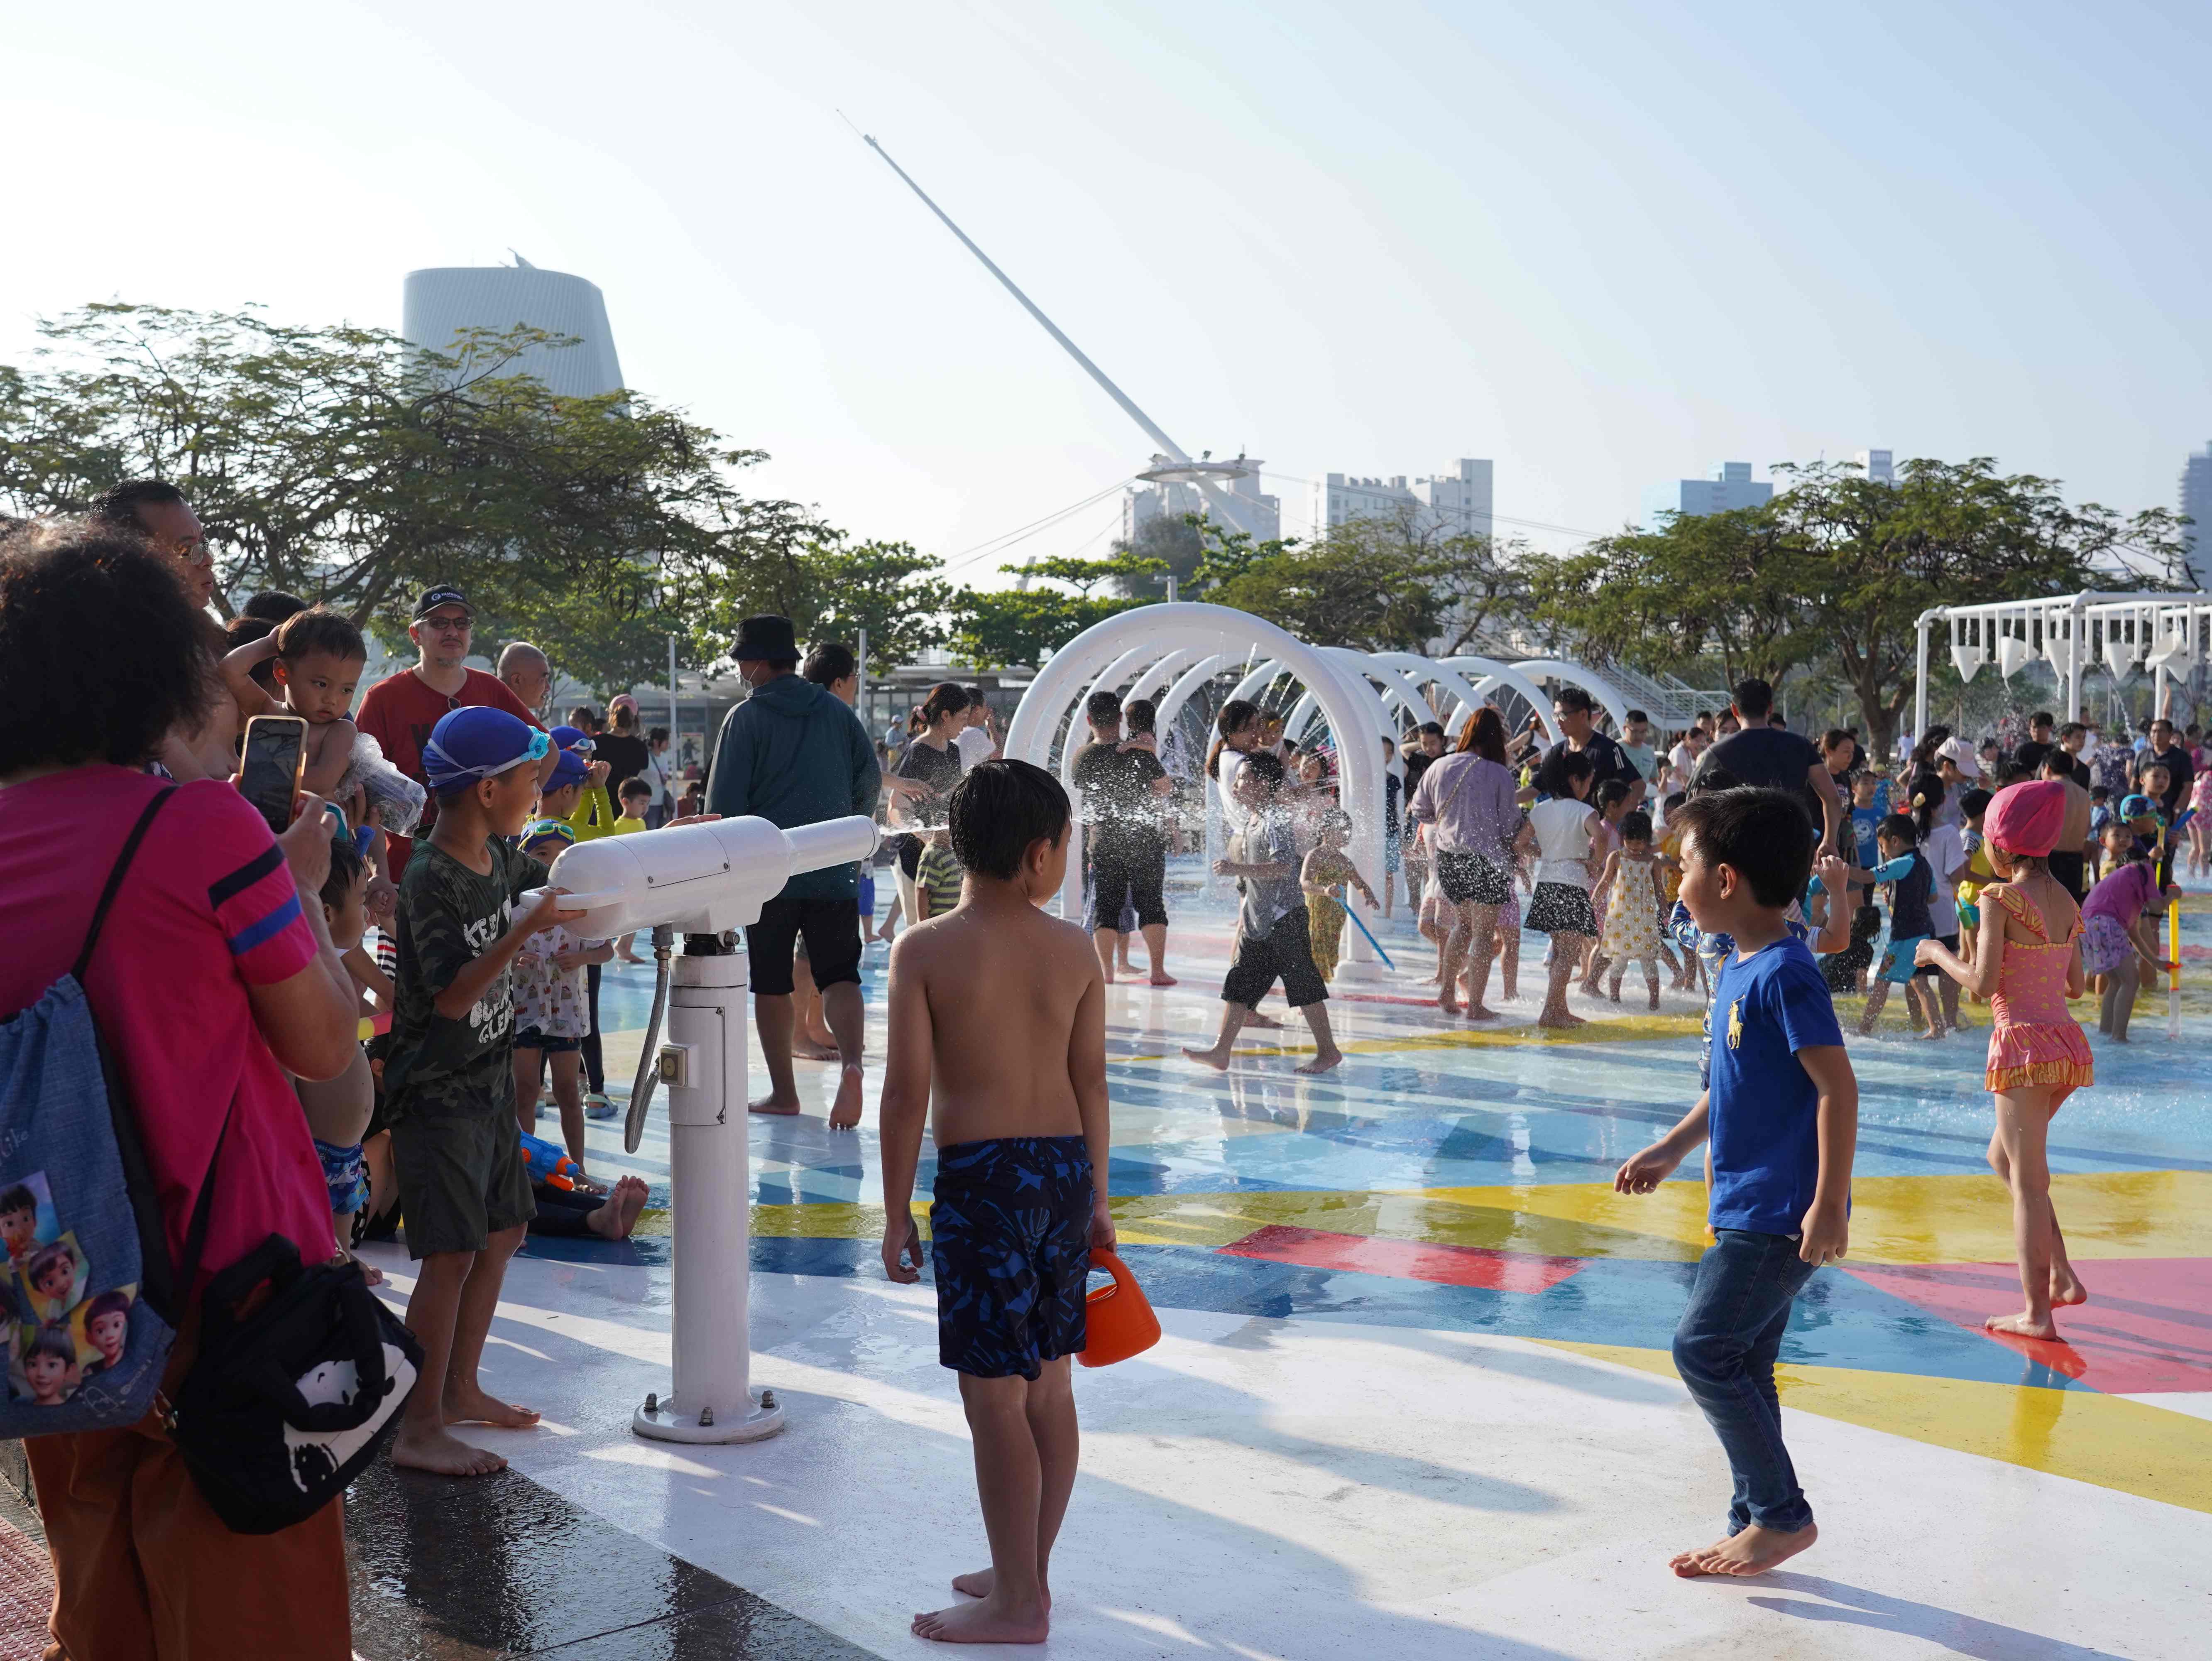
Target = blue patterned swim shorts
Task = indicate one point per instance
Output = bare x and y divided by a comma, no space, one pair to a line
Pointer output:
1010,1245
345,1174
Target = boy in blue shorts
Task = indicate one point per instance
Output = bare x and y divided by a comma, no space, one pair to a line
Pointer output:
1001,1011
1781,1108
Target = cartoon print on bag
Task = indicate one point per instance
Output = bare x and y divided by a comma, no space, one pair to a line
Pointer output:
316,1456
28,1219
56,1276
49,1366
107,1321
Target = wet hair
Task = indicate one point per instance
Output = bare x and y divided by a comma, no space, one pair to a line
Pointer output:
828,663
117,1302
1101,708
633,788
46,1257
1235,715
1336,818
118,506
1899,828
1575,698
1763,836
52,1339
272,606
1611,791
318,629
345,872
1574,764
18,1198
999,811
945,699
1140,713
1927,798
1974,803
1636,826
2097,793
1265,766
1753,697
1485,736
113,694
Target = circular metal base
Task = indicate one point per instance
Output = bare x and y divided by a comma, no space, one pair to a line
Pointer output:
664,1419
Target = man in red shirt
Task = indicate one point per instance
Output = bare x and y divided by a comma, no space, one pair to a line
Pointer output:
400,710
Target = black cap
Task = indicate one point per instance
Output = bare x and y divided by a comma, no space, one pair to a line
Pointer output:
433,598
766,638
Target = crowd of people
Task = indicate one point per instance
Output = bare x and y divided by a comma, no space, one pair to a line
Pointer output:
345,1020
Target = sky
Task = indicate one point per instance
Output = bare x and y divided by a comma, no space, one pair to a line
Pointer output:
1604,245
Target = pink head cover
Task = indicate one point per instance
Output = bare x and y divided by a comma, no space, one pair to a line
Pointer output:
2025,818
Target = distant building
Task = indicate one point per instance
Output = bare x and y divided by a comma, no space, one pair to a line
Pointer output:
1260,514
1458,503
440,302
2196,502
1877,466
1731,486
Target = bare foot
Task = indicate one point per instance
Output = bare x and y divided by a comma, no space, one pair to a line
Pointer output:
1476,1012
1161,977
1446,1004
627,957
978,1584
2066,1288
808,1050
443,1452
1561,1019
1216,1059
618,1215
472,1406
770,1104
1322,1062
2023,1325
845,1111
1752,1552
987,1622
1255,1018
1655,1001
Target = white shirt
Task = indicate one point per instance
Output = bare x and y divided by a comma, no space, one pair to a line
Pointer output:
1562,827
1233,816
975,744
1946,854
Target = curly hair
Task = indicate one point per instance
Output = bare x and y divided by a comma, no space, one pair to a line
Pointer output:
101,654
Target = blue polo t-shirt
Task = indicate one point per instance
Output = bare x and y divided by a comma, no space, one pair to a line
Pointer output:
1764,1105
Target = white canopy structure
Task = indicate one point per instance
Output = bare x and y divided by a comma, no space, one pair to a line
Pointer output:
1169,652
2168,634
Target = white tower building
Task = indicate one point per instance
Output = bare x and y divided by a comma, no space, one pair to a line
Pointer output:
439,302
1456,503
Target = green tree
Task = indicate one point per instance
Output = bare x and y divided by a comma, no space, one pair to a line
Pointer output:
999,629
1175,543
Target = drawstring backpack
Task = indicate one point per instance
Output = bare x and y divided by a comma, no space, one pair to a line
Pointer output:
86,1292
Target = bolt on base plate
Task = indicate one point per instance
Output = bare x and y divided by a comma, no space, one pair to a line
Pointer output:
664,1418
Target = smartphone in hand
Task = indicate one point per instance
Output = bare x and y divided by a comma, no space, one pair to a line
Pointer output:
276,757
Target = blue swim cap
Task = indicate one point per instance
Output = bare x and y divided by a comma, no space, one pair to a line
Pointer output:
477,742
573,737
571,768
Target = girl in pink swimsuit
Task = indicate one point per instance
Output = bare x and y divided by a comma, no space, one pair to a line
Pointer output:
2028,962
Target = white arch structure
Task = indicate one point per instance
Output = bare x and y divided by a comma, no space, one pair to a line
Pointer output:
1138,643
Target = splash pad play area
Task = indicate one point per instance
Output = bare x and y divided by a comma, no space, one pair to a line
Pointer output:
1414,1397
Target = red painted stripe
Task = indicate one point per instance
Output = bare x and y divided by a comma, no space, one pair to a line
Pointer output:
1405,1260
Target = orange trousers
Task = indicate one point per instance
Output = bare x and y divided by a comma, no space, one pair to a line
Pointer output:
144,1571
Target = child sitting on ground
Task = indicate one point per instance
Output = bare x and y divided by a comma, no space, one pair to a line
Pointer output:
1630,933
1271,925
1322,879
318,660
449,1083
998,1039
552,1016
1781,1111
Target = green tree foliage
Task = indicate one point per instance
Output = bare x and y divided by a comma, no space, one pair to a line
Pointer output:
1175,543
1838,567
998,629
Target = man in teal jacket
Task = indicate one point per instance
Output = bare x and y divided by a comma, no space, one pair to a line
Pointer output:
793,754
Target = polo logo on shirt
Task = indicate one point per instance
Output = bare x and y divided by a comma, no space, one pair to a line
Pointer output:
1735,1024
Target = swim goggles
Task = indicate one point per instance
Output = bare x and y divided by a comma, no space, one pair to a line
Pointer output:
437,761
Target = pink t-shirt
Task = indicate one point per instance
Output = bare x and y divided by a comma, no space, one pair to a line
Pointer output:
209,909
2125,894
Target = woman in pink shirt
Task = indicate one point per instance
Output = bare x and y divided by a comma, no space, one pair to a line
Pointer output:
213,976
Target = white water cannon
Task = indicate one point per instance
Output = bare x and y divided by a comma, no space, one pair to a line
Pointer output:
703,880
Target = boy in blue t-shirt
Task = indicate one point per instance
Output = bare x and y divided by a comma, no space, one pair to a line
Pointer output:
1782,1111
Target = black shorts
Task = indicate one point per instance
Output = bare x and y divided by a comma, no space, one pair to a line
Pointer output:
1136,866
1463,875
1010,1247
1928,972
552,1044
2069,869
832,929
1286,951
462,1179
1560,908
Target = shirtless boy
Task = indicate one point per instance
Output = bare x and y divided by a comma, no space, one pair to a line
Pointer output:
998,1035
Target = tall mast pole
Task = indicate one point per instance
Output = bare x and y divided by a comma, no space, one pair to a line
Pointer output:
1174,451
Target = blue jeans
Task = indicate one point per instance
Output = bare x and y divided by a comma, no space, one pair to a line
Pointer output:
1724,1349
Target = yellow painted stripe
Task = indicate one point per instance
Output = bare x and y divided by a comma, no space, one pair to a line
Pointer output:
1484,1037
2109,1440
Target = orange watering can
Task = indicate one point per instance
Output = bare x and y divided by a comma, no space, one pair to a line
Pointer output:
1118,1322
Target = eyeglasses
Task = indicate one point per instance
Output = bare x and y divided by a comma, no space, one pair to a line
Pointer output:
447,624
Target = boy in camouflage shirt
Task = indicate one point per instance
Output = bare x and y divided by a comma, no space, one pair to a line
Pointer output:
449,1084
